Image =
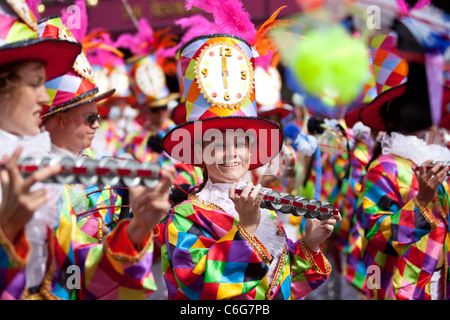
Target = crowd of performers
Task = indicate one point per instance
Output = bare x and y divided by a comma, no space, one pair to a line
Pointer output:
84,95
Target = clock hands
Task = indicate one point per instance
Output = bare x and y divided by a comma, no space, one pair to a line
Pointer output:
224,72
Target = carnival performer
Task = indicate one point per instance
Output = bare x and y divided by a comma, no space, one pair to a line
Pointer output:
40,247
404,207
71,118
148,72
116,112
219,244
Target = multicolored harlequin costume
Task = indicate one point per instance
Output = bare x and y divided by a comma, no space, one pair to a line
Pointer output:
114,269
348,239
219,260
69,91
207,253
403,239
136,143
403,245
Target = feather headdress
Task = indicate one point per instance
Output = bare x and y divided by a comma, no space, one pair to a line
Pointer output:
229,17
146,41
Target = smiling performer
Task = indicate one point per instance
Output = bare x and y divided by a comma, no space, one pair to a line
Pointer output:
218,244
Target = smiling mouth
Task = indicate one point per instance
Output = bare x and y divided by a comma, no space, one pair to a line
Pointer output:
231,164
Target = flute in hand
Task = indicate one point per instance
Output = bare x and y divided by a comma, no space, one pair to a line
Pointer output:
297,206
108,171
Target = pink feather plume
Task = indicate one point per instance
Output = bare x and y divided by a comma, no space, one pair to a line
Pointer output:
140,43
229,16
193,26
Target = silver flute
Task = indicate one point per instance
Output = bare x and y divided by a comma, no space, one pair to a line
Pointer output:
295,205
445,166
107,171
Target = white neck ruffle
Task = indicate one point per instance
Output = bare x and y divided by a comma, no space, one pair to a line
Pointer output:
267,231
412,148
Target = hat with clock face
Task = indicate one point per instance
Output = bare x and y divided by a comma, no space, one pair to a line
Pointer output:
76,87
268,87
110,70
149,82
217,75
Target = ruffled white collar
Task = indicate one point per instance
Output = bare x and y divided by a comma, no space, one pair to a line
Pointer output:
412,148
37,145
267,231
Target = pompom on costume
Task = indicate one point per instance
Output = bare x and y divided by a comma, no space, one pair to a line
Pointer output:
207,253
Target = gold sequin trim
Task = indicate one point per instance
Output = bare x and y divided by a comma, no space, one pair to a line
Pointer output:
426,214
100,230
255,243
309,256
15,259
127,258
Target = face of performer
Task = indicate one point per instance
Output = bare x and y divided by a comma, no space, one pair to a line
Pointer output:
230,158
21,97
76,127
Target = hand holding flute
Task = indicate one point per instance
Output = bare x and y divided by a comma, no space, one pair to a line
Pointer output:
430,175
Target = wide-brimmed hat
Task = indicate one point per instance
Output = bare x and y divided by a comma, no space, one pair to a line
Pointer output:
76,87
19,41
217,78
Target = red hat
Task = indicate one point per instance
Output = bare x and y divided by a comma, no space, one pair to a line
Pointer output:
209,108
18,41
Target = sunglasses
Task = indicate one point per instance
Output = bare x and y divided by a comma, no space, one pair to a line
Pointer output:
90,118
157,109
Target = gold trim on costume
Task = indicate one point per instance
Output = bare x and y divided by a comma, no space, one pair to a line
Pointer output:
426,214
127,258
10,250
310,258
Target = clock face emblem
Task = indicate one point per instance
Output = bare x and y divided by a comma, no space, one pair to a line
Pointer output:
81,65
225,75
119,81
150,78
267,86
102,80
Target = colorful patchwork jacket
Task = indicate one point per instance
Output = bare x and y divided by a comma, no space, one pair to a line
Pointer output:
77,267
135,143
100,207
208,255
403,241
347,192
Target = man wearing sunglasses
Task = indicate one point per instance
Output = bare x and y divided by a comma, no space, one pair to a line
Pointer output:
72,131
